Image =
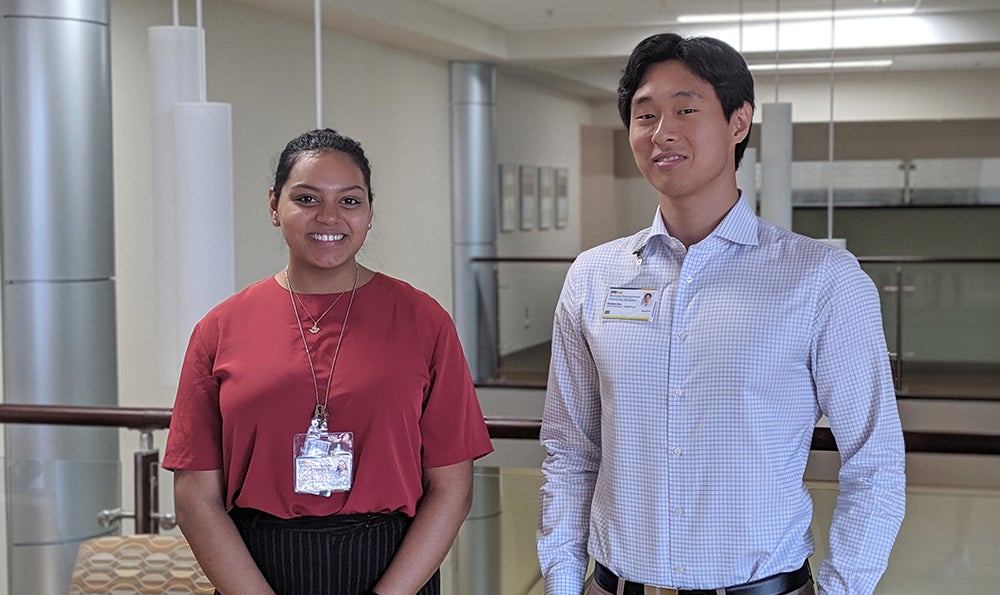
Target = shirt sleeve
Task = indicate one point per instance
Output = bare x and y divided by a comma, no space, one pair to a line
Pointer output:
195,438
855,390
571,437
452,425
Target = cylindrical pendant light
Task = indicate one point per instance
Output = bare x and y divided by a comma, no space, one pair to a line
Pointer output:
192,191
174,73
205,255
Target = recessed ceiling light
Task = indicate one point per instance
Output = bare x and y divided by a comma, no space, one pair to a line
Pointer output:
794,15
822,65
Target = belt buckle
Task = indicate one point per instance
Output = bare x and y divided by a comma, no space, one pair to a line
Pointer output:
654,590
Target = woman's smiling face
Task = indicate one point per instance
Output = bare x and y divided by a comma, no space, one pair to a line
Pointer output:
324,212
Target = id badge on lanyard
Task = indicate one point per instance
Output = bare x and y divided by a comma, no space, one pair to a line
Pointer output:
324,460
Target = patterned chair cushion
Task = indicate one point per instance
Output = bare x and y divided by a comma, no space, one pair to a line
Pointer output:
137,565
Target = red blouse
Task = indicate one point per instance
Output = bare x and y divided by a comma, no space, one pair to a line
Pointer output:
401,384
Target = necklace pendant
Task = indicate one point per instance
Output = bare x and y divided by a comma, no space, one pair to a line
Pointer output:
314,329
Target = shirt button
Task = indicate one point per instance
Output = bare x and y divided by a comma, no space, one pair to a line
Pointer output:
689,279
681,335
678,451
679,569
678,392
678,511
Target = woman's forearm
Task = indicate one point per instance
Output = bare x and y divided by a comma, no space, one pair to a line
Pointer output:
440,513
214,539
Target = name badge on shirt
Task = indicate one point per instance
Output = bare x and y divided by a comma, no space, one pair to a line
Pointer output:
626,303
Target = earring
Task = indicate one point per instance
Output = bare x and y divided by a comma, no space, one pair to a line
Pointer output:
369,225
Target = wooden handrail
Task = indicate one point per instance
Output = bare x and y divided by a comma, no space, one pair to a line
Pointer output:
133,418
137,418
862,259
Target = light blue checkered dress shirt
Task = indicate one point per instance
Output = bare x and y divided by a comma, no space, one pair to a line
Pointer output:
676,446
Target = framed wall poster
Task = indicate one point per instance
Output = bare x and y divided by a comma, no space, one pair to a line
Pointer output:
546,197
508,197
562,197
529,196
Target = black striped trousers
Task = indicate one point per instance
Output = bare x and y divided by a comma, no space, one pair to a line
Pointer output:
334,555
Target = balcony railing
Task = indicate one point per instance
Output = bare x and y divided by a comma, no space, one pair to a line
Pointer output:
941,319
146,420
506,534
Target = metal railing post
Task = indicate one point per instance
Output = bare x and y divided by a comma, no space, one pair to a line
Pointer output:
147,480
899,326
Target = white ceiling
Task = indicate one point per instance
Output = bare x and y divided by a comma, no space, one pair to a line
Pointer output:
580,46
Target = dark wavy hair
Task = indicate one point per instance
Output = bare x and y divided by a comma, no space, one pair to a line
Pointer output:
320,141
710,59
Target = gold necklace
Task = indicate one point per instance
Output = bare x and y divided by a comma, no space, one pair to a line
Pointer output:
315,327
319,413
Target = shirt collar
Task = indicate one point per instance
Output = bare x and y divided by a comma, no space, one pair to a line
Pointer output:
738,226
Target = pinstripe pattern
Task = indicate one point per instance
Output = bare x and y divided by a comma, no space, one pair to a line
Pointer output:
335,555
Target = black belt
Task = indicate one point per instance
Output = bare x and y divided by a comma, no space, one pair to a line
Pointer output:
772,585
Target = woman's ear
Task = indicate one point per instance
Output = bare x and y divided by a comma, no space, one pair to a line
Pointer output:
272,203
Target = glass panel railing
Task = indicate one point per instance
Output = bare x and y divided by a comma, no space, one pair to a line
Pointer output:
942,321
954,181
526,296
495,550
53,506
854,183
896,182
947,543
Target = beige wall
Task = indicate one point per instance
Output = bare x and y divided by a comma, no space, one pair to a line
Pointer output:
597,190
542,128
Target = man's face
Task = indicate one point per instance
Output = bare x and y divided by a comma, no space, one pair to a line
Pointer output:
680,139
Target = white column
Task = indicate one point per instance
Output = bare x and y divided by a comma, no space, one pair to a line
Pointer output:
746,177
776,164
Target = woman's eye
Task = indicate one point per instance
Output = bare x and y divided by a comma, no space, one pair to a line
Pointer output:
305,198
350,200
689,110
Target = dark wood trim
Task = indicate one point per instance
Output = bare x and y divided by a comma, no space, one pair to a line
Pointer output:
133,418
499,427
